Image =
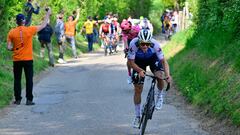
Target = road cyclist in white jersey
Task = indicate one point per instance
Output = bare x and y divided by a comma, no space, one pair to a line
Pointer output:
145,51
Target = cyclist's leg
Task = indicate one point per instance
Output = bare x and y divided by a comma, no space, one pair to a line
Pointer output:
109,37
157,69
138,87
138,84
101,38
115,43
105,43
137,98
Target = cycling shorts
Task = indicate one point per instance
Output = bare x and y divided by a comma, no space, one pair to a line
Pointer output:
153,62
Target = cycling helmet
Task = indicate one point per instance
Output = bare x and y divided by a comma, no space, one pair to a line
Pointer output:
145,36
109,21
135,30
126,25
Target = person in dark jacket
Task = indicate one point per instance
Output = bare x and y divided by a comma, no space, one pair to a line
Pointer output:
44,37
29,9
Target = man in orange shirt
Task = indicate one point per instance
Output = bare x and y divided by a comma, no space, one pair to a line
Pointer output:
19,41
70,27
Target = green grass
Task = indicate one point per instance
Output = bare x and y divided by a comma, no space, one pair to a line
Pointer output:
205,66
6,70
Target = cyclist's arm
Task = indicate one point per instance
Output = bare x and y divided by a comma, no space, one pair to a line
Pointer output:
135,66
160,56
44,23
166,67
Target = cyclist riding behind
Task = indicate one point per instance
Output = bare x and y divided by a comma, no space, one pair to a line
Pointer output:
145,51
117,28
167,26
104,31
129,32
145,24
113,34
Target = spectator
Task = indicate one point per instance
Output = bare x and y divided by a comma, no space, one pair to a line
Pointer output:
44,37
19,41
88,25
29,9
95,29
59,32
70,27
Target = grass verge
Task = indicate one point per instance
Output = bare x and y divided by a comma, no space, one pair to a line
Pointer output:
205,68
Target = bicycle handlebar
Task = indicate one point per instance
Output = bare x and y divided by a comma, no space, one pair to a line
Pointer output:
154,77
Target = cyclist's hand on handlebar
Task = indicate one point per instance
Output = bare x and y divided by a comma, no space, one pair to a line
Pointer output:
142,73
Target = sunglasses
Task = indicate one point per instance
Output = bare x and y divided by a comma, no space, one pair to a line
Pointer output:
145,44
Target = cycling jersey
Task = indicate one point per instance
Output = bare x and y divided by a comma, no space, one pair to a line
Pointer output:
134,32
105,28
150,58
135,52
167,24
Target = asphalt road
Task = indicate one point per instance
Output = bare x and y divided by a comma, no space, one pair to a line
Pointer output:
90,96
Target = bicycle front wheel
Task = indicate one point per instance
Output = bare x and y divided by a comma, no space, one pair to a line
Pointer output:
144,124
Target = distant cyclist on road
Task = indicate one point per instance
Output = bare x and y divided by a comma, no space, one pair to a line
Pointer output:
145,51
167,26
145,24
104,32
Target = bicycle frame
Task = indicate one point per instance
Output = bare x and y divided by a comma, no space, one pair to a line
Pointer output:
149,106
150,102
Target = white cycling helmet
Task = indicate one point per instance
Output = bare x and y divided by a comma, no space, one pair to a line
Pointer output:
145,36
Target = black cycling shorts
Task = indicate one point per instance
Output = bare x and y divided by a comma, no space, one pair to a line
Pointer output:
153,62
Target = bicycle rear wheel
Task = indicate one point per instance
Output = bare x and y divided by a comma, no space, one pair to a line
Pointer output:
144,124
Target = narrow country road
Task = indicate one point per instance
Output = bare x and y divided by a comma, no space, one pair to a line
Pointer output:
90,96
